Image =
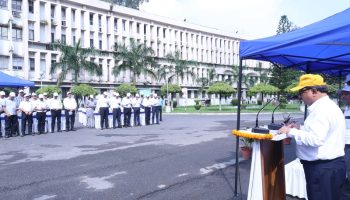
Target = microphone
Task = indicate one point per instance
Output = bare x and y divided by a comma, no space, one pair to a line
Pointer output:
257,129
274,126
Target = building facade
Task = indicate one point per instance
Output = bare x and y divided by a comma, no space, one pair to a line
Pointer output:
27,28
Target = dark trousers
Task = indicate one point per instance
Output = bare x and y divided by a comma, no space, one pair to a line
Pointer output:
160,113
147,115
127,116
55,115
137,116
70,119
155,113
117,116
27,119
11,125
104,117
324,178
41,117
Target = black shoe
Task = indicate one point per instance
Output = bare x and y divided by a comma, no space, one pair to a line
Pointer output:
59,131
6,136
101,128
33,134
22,135
67,130
120,127
51,132
73,129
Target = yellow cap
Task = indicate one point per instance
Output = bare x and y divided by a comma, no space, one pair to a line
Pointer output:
309,80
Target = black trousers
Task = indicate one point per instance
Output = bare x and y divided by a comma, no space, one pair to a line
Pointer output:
11,125
161,113
55,115
117,116
324,178
104,117
70,119
155,113
41,117
27,120
147,115
127,116
137,121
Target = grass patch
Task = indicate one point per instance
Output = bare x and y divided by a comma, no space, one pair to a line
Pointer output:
233,109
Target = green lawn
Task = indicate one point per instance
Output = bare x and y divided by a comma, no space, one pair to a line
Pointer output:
231,109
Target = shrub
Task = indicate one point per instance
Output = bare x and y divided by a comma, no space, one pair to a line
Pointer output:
234,102
259,102
197,106
174,104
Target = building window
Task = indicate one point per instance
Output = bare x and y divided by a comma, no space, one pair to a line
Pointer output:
115,24
52,37
123,23
16,34
91,19
17,63
31,34
138,28
63,38
31,64
52,11
4,62
3,32
3,3
74,40
92,43
100,44
31,7
17,5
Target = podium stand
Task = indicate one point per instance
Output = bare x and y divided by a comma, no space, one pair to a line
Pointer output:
267,180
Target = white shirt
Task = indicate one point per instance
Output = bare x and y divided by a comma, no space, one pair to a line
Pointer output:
155,102
146,102
347,122
10,105
136,102
322,136
26,106
115,102
102,102
41,106
70,103
126,102
55,104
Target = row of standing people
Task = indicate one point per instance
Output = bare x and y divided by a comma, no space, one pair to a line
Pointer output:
152,105
26,106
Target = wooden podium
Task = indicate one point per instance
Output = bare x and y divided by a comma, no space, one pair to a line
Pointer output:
267,180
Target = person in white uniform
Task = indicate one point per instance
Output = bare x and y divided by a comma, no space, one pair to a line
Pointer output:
70,105
320,142
27,108
56,112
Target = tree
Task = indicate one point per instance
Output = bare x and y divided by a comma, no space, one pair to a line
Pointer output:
222,89
73,59
284,25
211,75
137,58
282,78
135,4
263,73
180,68
49,90
82,90
125,88
172,89
263,88
234,73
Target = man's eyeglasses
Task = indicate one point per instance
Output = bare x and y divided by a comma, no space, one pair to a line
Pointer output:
302,91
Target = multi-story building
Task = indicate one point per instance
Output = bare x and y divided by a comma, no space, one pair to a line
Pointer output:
27,27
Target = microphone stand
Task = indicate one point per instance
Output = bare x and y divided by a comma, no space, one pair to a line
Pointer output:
257,129
274,126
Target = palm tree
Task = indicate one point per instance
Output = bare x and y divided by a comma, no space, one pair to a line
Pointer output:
74,59
211,75
136,57
263,73
180,68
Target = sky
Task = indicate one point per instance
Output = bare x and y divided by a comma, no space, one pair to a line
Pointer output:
252,18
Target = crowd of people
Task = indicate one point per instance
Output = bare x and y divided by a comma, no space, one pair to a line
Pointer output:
26,107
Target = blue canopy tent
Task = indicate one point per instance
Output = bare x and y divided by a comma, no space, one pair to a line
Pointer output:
323,46
11,81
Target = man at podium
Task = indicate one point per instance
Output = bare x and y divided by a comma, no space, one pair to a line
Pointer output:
320,142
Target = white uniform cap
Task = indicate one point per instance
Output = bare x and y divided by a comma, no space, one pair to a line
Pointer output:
33,94
91,96
155,95
41,96
12,94
45,94
26,95
105,93
20,91
128,94
69,92
137,95
55,94
2,93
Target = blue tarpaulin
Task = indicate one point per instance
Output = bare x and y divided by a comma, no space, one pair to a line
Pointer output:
11,81
323,46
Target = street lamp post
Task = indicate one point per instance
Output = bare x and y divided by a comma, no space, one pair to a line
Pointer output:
41,79
168,107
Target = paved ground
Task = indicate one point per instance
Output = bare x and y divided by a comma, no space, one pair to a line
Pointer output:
186,157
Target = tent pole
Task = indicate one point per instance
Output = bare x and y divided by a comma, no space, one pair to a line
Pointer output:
239,89
339,87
